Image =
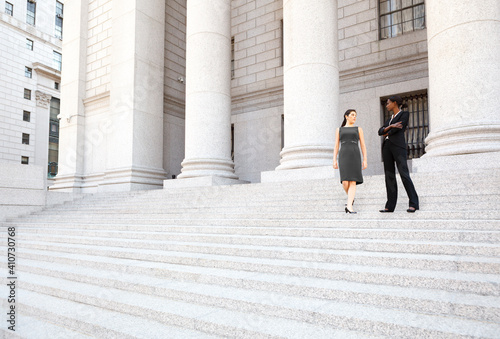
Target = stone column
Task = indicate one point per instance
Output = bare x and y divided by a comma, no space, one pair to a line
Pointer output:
73,79
464,72
208,90
42,131
135,144
311,82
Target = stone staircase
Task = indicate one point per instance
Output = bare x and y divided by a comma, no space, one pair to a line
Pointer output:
275,260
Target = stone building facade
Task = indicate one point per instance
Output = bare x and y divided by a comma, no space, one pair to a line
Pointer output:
225,91
30,74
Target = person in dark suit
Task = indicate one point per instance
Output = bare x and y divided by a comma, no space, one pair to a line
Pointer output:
394,151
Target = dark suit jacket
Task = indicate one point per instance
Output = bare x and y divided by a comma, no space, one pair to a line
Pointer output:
396,135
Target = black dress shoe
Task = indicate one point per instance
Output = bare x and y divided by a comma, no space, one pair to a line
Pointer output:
350,212
411,210
385,211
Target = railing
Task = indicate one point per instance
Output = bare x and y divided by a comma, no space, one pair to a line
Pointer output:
418,124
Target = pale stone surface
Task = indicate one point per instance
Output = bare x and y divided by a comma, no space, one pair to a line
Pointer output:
319,172
201,181
311,82
72,123
464,67
208,96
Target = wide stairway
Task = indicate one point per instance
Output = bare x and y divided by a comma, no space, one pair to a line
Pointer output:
280,260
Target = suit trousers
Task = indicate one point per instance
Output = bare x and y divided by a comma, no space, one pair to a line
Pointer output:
394,154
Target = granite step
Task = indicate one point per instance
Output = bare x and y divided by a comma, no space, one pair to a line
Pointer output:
440,262
159,225
269,232
218,289
212,320
473,283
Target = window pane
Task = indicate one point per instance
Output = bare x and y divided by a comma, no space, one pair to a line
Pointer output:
395,5
406,3
407,20
385,33
385,7
9,8
385,21
26,116
419,15
396,28
29,44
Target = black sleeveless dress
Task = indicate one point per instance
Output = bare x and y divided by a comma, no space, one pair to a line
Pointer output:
349,155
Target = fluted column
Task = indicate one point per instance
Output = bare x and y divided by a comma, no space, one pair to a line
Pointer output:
464,72
311,82
208,90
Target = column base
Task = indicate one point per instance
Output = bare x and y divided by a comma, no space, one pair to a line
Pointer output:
305,157
201,182
464,140
68,183
453,163
194,168
311,173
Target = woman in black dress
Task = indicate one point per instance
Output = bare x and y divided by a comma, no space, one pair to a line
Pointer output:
349,159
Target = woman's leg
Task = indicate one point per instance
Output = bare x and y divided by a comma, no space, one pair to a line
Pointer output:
351,192
345,185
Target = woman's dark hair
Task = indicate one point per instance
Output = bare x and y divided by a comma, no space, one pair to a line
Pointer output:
399,101
346,114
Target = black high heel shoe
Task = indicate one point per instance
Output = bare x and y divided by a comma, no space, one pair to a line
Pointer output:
350,212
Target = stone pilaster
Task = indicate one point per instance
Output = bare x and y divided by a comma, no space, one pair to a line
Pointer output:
73,77
311,83
42,131
135,144
208,90
464,73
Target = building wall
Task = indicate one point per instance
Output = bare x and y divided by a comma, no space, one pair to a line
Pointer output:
369,69
174,86
15,57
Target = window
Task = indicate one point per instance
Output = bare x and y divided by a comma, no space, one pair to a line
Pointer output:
398,17
57,61
26,116
9,8
56,85
25,160
232,142
26,139
232,57
30,13
27,94
29,44
55,108
28,72
59,19
418,124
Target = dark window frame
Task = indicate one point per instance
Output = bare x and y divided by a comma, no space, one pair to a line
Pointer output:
31,13
418,123
26,139
28,72
29,44
27,116
401,26
57,61
9,11
27,94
